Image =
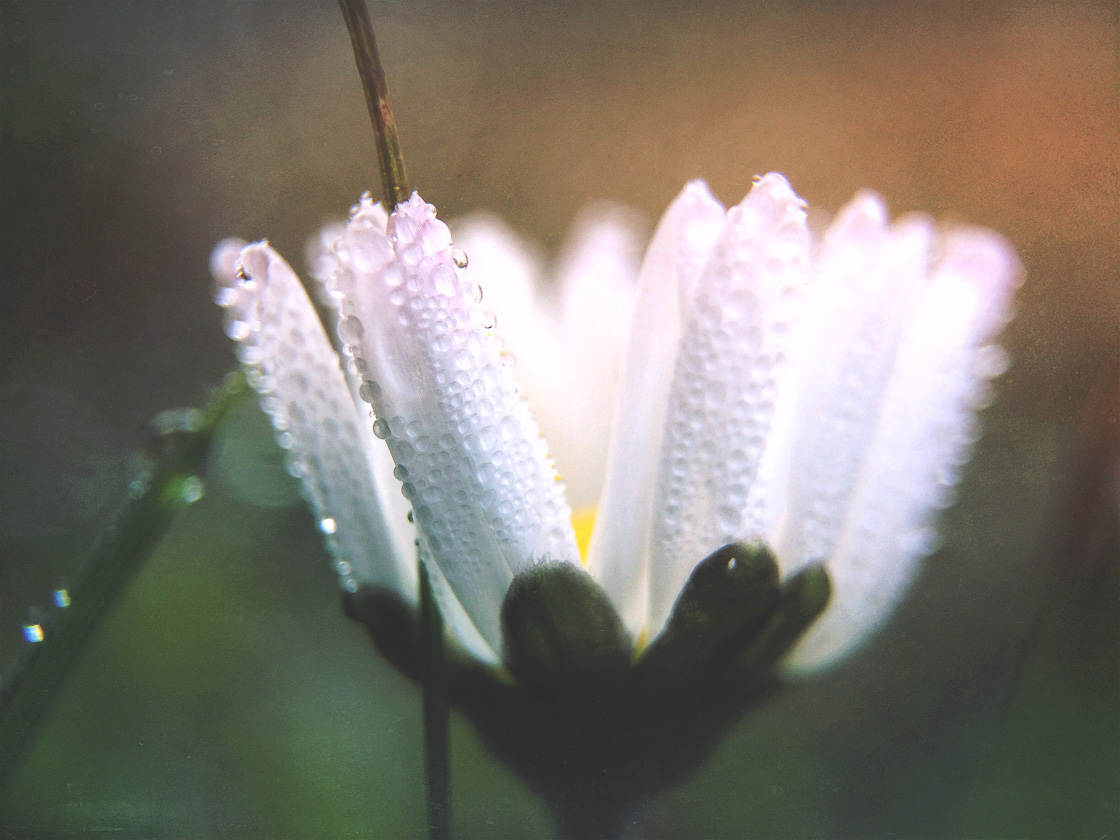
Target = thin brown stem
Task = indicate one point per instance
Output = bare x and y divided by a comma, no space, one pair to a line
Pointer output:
390,161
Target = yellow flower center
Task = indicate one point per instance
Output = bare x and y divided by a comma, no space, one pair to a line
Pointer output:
582,522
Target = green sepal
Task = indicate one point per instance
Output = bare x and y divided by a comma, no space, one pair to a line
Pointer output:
803,598
561,632
589,728
727,600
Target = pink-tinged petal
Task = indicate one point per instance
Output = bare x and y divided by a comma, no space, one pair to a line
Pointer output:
484,493
619,550
732,358
320,253
867,280
292,365
900,433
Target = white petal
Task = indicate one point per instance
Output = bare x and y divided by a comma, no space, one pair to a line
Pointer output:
597,279
292,365
866,284
619,550
904,430
319,254
507,270
725,384
568,352
483,490
321,257
509,274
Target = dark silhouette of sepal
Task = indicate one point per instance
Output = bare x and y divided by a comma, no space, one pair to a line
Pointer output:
591,728
561,632
803,598
727,599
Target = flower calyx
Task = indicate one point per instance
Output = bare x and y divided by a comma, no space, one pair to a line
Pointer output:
592,723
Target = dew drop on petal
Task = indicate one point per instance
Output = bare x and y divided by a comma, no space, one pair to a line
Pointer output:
392,276
445,280
238,330
328,525
369,390
992,361
727,518
920,542
350,330
948,474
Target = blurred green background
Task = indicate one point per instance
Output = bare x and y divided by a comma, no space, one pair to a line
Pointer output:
226,695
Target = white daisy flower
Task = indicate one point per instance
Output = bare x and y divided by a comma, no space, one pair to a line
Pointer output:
817,397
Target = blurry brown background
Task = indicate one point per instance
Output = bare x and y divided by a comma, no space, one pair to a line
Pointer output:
226,696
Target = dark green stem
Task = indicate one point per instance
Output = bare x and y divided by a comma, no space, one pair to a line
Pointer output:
394,179
34,679
434,682
589,821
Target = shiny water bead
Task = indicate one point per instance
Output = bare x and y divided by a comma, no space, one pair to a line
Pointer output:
444,403
192,489
33,632
310,404
731,355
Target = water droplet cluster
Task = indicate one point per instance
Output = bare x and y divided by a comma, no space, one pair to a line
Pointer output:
942,376
471,462
887,417
733,350
40,625
290,362
863,290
